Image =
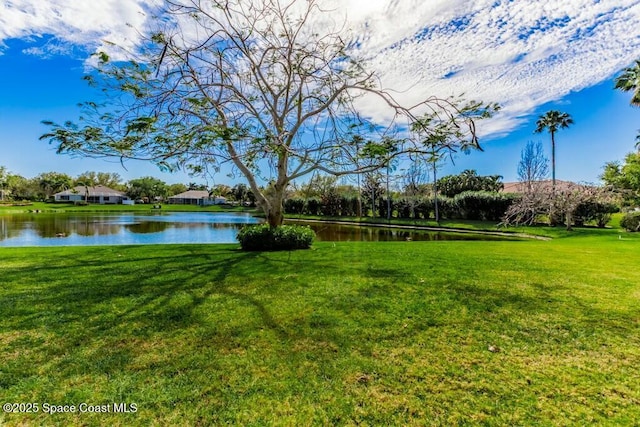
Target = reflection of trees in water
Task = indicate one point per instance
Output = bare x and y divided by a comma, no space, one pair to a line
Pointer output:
61,225
50,226
214,225
42,224
148,227
347,233
9,227
87,226
57,225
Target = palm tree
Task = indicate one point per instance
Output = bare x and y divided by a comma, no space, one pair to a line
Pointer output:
629,81
553,120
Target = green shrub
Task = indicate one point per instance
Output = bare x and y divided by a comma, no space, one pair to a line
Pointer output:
447,207
596,211
348,206
294,206
631,221
261,237
405,206
409,207
483,205
312,207
330,203
424,208
383,207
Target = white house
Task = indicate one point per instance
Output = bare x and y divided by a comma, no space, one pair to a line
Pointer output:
197,197
98,194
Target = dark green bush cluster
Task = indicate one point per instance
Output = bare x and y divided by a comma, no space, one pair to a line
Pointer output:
631,221
596,211
474,205
262,237
300,206
469,180
483,205
413,207
331,204
294,206
447,207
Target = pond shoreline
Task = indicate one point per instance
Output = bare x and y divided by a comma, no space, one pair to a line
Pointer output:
420,228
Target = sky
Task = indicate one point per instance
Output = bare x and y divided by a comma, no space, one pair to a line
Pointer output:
530,56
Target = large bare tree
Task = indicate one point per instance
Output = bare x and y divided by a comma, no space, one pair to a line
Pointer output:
561,202
269,86
533,167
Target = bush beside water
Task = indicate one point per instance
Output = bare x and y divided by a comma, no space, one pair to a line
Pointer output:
261,237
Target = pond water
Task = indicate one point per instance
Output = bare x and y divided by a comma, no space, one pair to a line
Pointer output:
352,233
120,228
45,229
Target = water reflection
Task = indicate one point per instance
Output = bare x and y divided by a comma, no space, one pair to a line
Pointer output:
177,227
351,233
107,229
147,227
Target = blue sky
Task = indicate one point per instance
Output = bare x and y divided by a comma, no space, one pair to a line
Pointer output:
530,56
36,88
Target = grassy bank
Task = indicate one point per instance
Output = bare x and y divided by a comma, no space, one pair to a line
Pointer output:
436,333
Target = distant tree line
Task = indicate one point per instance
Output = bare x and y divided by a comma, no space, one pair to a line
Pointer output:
404,195
464,196
14,187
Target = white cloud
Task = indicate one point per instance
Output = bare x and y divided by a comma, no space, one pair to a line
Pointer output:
74,23
521,54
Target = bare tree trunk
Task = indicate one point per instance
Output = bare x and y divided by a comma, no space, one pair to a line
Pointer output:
275,209
373,203
553,162
388,197
275,217
569,220
435,193
359,198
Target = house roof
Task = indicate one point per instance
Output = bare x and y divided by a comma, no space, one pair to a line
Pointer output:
516,187
192,194
97,191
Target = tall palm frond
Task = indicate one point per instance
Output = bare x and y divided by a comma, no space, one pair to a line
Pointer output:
629,81
553,120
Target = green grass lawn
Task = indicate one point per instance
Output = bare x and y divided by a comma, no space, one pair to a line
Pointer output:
407,333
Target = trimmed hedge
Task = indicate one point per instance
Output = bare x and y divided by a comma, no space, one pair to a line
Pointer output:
261,237
447,208
473,205
483,205
294,206
631,221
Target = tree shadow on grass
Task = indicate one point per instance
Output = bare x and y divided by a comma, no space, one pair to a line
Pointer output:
117,303
131,297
